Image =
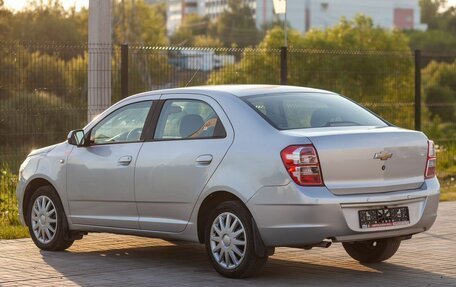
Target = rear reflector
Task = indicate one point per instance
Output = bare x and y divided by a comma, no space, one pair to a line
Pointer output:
431,161
302,164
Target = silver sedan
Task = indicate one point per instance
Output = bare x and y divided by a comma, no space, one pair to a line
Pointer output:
242,169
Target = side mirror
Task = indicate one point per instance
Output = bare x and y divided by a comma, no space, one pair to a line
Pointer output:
76,137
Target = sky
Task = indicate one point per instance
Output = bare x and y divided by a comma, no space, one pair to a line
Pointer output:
19,4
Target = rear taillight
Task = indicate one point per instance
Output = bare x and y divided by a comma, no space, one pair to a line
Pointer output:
301,162
431,161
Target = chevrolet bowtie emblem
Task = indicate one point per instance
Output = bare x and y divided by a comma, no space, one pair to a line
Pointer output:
384,155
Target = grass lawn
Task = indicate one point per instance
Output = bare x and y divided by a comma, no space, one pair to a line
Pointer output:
8,231
448,193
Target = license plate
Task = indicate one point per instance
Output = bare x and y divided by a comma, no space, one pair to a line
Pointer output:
382,217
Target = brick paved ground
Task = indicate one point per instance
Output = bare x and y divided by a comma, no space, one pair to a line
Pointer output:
429,259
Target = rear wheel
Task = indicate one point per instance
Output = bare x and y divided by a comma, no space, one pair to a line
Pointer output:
230,243
372,251
47,221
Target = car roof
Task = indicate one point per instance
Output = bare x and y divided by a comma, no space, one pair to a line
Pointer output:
239,90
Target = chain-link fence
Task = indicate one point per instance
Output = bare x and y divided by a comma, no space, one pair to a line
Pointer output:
44,87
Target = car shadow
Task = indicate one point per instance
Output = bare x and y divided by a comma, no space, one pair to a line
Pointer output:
186,264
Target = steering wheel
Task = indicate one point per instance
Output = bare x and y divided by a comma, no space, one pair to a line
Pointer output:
134,134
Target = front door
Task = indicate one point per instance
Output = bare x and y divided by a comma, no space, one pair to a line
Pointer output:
190,139
100,176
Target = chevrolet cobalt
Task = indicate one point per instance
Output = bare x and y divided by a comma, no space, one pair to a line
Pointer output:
242,169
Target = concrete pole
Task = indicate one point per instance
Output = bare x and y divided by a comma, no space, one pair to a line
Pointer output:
100,55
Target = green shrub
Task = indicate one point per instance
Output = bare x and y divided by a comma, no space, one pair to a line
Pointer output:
446,160
9,212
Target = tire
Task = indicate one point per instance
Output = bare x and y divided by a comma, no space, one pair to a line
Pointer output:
248,263
372,251
50,218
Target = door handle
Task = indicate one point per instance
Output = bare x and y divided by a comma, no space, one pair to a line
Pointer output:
125,160
204,159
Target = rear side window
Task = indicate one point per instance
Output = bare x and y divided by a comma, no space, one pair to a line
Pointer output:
311,110
188,119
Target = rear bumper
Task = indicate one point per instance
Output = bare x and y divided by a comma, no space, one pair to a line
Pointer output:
292,215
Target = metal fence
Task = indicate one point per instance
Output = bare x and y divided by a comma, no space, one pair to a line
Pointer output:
44,87
439,111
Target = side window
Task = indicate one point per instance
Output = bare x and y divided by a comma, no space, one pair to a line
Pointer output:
188,119
123,125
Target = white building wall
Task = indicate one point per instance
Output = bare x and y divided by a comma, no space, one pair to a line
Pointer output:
326,13
213,8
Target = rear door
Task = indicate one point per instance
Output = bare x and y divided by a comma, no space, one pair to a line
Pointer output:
191,136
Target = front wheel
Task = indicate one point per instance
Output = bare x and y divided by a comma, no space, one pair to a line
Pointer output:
47,221
372,251
230,243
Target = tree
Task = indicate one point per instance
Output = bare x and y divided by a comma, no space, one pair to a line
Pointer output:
5,23
429,12
354,58
236,26
49,23
38,118
432,13
439,81
138,22
207,41
44,24
432,40
10,79
192,26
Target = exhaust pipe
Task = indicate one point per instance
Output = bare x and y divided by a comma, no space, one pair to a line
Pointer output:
323,244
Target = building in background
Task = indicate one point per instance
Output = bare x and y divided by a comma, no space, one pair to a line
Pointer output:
306,14
177,9
213,8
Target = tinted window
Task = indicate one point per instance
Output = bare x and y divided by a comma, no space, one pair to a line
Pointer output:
181,119
123,125
311,110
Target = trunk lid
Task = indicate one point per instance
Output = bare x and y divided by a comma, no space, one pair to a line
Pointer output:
355,160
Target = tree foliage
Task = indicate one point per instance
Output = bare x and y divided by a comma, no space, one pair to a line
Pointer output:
377,67
236,26
441,33
191,27
139,22
49,23
434,14
440,90
432,40
46,117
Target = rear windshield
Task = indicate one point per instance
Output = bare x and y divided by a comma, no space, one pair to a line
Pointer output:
311,110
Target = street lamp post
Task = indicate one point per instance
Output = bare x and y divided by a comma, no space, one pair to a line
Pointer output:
280,7
100,50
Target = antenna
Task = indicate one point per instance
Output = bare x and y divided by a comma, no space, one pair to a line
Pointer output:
191,79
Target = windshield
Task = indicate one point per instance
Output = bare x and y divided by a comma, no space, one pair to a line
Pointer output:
311,110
